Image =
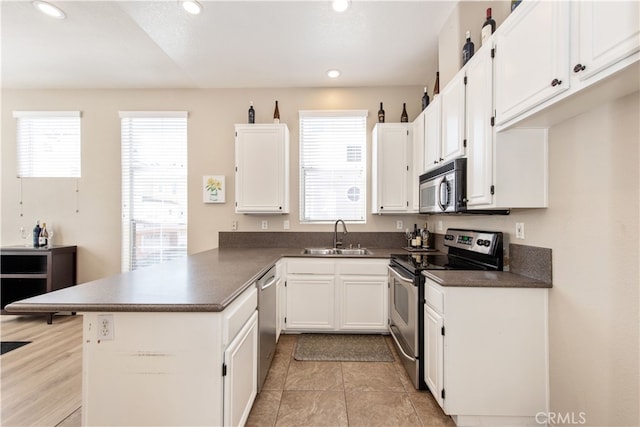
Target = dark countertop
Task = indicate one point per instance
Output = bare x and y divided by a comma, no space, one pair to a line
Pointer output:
209,281
483,279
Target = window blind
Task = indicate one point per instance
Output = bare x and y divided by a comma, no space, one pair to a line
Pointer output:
333,165
48,144
154,187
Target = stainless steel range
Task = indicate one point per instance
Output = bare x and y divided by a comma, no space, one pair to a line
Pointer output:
467,250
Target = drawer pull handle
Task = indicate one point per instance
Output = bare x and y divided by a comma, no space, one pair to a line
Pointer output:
578,68
556,82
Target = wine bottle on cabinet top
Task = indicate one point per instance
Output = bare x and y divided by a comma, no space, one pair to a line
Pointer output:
467,49
381,114
404,118
488,28
436,86
252,113
276,114
425,99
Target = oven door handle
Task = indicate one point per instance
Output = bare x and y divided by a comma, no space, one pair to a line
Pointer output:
400,276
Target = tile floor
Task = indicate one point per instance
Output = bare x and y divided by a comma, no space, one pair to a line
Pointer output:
299,393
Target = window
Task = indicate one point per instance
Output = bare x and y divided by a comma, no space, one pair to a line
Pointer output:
154,187
333,165
48,144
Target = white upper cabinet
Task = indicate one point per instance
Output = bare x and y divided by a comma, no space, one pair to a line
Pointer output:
532,57
433,136
391,167
418,165
479,129
262,168
607,32
453,118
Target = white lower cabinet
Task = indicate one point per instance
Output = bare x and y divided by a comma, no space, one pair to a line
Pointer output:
240,371
171,368
336,295
486,353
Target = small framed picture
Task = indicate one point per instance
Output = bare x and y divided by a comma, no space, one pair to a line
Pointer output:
213,189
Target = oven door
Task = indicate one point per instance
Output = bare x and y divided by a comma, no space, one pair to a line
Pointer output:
403,320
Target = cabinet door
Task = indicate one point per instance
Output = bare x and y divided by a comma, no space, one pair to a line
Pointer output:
608,32
364,303
433,141
453,110
479,129
241,376
391,148
310,302
262,169
532,57
417,166
434,352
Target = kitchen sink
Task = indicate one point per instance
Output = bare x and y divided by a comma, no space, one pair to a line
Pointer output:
336,251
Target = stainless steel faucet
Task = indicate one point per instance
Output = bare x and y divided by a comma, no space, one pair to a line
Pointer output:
338,243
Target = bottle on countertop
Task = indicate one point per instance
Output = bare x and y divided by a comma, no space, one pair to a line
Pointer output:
425,236
381,114
414,236
404,118
276,114
488,28
36,235
425,99
436,86
467,49
252,114
43,240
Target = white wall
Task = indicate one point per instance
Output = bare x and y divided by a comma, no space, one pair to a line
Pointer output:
212,114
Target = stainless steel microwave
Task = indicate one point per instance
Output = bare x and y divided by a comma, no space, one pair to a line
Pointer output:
444,189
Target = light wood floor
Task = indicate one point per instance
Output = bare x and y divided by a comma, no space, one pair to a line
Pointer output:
41,382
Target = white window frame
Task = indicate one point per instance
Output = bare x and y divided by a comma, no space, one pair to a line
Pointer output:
168,220
48,144
357,140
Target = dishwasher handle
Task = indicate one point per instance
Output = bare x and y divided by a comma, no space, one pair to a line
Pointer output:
265,285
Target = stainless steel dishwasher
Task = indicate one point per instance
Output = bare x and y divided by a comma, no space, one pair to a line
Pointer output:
266,285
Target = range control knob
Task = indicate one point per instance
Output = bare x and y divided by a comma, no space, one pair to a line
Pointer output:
482,242
448,237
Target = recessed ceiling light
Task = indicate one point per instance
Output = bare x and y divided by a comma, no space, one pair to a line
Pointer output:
192,6
48,9
333,73
340,5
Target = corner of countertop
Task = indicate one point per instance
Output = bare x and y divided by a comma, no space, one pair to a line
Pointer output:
531,261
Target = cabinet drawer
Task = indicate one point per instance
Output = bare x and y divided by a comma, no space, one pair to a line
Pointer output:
365,267
237,314
434,296
311,267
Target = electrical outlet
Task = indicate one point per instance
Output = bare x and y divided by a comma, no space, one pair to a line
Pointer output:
399,225
105,327
519,230
440,226
265,225
285,224
234,225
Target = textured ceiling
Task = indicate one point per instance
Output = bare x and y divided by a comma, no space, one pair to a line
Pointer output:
156,44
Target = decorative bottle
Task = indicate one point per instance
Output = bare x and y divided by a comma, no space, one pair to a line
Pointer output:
36,235
252,114
436,86
43,240
276,114
467,49
381,114
404,118
425,99
488,28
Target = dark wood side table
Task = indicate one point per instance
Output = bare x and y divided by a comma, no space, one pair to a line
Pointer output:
27,272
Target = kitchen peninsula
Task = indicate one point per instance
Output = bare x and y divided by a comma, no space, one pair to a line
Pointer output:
182,333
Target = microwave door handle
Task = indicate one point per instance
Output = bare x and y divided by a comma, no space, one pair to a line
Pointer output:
443,195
